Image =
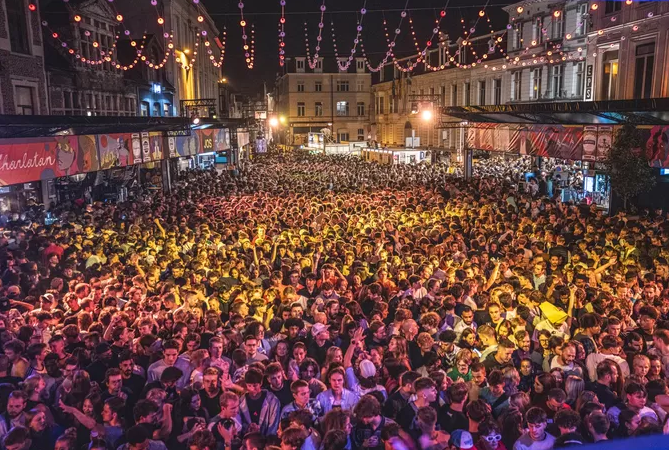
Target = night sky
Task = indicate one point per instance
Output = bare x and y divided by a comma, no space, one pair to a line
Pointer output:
265,15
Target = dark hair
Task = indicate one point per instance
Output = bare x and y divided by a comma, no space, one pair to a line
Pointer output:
203,439
536,416
599,422
253,376
136,435
478,410
567,418
335,440
367,406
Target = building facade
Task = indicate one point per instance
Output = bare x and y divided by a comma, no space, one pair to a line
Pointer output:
400,97
547,46
324,98
22,78
81,80
191,70
627,51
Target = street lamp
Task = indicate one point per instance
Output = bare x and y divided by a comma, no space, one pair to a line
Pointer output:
273,122
426,115
282,119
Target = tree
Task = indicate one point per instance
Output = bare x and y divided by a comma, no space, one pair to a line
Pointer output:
628,166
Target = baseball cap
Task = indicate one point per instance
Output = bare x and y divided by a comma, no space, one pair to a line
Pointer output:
462,439
102,348
318,328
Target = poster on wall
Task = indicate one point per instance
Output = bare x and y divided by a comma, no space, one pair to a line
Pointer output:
589,143
657,146
187,145
87,159
222,139
113,150
172,147
206,141
604,140
135,139
146,148
27,160
156,146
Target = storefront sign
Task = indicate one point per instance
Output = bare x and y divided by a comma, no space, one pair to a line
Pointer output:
588,82
24,160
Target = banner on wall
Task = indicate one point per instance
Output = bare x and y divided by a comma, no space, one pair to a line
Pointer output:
657,145
113,150
88,154
33,159
156,140
555,141
24,160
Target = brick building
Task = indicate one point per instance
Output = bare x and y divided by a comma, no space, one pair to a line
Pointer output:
22,78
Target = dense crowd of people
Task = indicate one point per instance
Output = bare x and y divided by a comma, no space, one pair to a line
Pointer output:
311,302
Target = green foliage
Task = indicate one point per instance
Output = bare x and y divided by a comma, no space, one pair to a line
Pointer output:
628,166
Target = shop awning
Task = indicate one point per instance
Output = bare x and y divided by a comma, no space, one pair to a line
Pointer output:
648,112
48,126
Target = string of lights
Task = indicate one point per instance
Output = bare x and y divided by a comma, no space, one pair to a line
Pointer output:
249,51
282,34
314,61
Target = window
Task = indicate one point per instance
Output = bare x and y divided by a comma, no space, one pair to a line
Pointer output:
361,134
301,110
643,70
300,64
518,36
612,6
300,86
319,66
610,81
361,109
382,106
342,108
24,99
156,107
482,92
467,94
557,81
581,19
515,85
360,85
557,26
535,84
167,108
443,95
144,111
342,86
342,136
454,95
536,30
318,86
360,65
579,79
17,19
318,108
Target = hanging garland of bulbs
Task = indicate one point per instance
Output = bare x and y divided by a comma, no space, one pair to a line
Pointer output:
282,34
389,43
343,66
249,50
555,55
207,42
314,61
